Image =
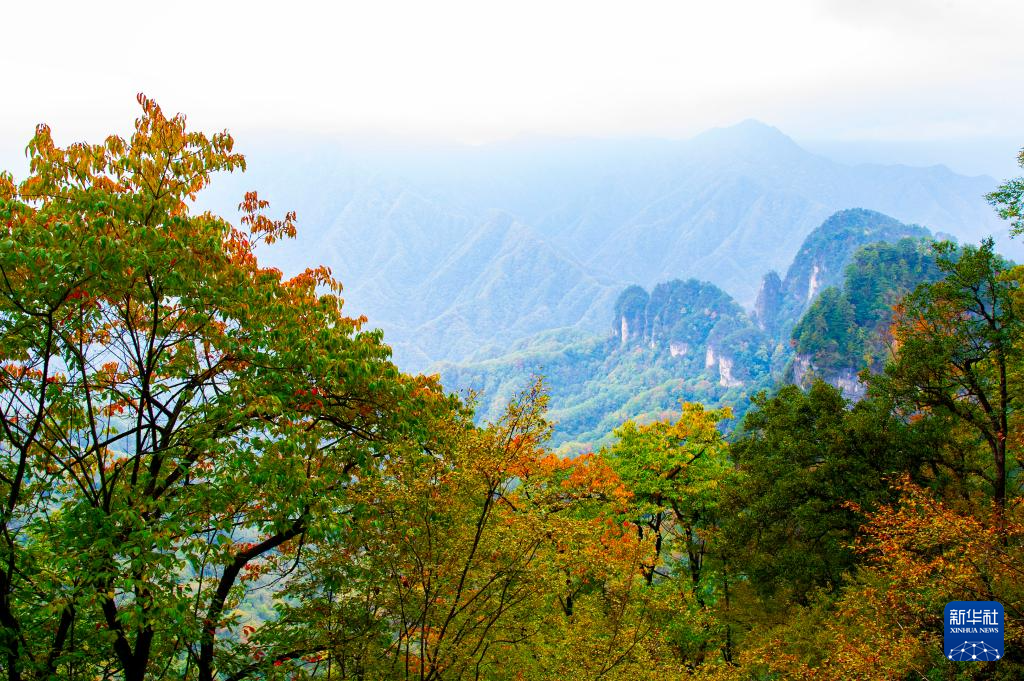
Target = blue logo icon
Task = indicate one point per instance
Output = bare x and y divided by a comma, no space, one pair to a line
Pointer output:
974,631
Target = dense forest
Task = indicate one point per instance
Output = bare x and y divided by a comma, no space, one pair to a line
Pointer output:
209,470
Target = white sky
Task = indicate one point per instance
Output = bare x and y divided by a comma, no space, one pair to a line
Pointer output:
475,71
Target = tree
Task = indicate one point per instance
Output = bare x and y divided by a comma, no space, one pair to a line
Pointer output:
917,554
485,557
802,456
1008,199
675,472
957,359
178,423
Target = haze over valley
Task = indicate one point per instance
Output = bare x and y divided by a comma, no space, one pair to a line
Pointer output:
459,252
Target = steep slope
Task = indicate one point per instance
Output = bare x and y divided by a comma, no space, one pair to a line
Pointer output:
846,329
518,261
689,340
821,262
683,340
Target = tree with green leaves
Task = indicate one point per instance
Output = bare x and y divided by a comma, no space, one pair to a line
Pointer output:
958,357
804,456
178,423
675,472
1008,200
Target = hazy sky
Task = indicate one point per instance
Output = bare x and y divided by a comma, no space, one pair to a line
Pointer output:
916,73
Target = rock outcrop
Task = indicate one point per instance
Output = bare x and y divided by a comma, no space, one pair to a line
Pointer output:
692,322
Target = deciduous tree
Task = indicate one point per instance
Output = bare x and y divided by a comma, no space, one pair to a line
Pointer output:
958,353
174,416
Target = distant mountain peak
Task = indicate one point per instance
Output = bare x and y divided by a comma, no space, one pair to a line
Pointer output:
861,221
822,260
749,133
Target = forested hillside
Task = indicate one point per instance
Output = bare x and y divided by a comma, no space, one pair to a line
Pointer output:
214,471
846,328
821,262
691,341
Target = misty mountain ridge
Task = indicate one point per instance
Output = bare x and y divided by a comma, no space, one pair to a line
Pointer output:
460,252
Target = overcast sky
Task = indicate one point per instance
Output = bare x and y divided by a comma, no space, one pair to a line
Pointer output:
926,76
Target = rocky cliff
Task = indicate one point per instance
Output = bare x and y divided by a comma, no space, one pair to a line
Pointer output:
694,322
820,263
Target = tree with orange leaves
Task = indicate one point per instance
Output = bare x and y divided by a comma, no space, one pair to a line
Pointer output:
485,557
175,418
917,554
958,345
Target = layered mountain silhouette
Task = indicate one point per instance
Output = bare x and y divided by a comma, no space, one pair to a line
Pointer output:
459,253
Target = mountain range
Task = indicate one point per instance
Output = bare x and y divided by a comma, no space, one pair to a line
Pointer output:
458,253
